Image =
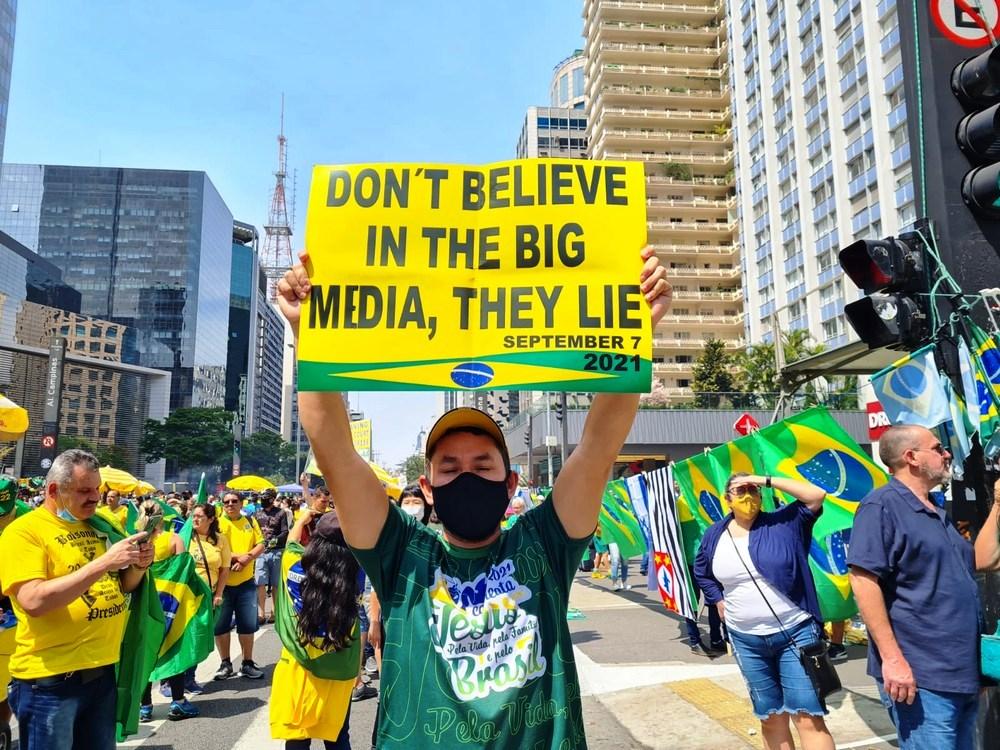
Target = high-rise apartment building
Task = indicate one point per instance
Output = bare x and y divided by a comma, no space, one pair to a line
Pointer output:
658,92
148,249
810,77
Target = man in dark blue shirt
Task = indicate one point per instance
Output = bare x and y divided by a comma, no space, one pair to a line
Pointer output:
912,576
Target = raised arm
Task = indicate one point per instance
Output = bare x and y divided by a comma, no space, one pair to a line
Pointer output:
580,485
358,495
988,540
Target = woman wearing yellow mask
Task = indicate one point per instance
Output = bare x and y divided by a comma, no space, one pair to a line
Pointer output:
753,566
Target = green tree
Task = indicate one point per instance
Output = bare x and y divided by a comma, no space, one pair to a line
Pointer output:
757,374
190,438
412,468
712,374
264,453
106,455
677,171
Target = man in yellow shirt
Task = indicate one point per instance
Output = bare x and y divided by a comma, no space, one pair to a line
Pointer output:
68,584
246,543
10,508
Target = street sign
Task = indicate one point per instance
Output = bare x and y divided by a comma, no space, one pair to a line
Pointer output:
746,424
46,463
878,420
48,442
969,23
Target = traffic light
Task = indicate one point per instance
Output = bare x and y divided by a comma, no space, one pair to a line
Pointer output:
893,273
527,438
976,83
560,409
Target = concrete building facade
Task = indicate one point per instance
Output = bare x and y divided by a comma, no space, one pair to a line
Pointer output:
822,152
658,92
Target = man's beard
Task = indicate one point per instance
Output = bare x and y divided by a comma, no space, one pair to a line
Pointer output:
940,476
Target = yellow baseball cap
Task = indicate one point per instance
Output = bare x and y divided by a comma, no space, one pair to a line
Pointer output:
463,417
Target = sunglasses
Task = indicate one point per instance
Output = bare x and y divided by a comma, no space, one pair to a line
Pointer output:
939,449
231,502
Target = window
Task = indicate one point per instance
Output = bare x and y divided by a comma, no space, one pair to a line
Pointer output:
578,83
563,89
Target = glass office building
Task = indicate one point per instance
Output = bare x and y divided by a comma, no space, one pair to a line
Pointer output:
8,17
104,402
147,249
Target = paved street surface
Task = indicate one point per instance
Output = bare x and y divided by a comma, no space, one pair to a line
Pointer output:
642,687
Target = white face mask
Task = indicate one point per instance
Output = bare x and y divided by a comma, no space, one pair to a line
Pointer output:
416,511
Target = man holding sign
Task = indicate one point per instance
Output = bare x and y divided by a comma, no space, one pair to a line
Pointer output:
477,650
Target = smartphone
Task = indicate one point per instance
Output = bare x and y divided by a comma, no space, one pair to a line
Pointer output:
151,523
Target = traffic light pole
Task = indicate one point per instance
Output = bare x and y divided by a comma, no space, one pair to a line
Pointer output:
565,430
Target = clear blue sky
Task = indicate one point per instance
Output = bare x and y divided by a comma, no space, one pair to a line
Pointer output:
196,85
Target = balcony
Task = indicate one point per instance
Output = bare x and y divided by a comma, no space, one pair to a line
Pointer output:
859,145
719,253
708,55
693,117
715,184
615,93
657,74
884,7
720,296
723,162
673,136
694,205
696,342
679,33
711,321
637,10
900,156
861,183
829,273
712,274
721,230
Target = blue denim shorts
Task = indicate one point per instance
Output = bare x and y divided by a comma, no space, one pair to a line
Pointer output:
267,568
775,677
241,601
934,720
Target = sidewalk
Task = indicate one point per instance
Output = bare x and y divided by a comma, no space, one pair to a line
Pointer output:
643,688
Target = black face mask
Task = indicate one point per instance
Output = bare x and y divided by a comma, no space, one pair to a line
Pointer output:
471,507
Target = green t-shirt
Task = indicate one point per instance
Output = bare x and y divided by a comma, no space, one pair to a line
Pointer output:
477,652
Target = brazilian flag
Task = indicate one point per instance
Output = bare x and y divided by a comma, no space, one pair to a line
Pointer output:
618,522
139,642
340,665
809,446
187,608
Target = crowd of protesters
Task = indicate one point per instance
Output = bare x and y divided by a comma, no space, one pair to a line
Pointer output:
457,617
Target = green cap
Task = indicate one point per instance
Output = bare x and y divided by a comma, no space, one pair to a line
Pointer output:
8,494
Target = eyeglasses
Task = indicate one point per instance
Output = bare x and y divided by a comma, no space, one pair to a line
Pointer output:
230,502
939,449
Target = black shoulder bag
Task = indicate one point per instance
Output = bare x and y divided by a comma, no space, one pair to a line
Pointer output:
814,657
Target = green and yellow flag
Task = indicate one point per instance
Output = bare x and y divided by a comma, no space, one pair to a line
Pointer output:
189,621
618,522
808,446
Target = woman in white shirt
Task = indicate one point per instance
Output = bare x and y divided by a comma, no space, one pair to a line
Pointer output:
754,567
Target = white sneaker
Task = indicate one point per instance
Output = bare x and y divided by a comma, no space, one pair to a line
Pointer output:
628,587
618,587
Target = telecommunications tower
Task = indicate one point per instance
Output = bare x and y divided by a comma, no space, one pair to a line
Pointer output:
278,232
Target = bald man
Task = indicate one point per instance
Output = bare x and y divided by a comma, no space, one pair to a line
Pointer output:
912,576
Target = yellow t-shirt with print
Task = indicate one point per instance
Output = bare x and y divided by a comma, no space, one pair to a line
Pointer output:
243,535
84,634
162,547
216,557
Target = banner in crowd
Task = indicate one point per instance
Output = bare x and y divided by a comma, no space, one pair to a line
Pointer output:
514,275
808,446
671,564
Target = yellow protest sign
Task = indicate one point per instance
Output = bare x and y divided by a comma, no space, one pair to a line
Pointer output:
361,436
515,275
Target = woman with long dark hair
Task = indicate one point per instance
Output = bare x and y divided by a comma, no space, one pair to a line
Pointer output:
317,621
